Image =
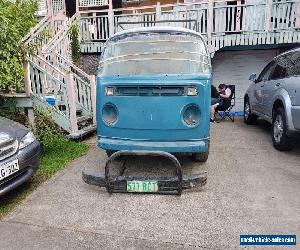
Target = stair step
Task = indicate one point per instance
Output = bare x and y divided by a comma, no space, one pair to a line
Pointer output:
82,119
82,133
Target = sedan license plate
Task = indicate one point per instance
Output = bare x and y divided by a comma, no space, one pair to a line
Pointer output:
8,169
142,186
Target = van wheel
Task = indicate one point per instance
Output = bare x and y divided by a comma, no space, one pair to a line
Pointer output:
110,152
200,157
279,131
249,118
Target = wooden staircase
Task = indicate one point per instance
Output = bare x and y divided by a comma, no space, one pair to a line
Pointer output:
51,74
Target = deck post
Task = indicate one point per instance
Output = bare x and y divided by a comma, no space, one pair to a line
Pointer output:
77,6
238,16
93,96
297,23
72,102
27,82
111,25
268,15
210,18
158,12
27,89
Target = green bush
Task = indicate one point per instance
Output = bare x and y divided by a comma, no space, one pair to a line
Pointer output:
75,47
45,129
16,19
11,111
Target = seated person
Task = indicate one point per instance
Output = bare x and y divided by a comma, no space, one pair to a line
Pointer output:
214,95
224,101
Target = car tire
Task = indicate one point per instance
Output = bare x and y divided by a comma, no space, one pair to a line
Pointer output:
280,139
200,157
249,118
110,152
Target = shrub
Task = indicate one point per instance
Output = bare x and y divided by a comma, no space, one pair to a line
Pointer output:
16,19
75,47
45,129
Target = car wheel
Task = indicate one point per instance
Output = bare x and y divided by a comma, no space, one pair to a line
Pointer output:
110,152
279,131
200,157
249,118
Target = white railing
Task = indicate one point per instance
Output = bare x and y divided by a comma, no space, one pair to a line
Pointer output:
51,72
40,34
84,85
92,3
47,80
58,6
238,18
207,17
94,28
71,89
285,15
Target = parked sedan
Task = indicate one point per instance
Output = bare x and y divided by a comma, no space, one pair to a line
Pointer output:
19,155
275,97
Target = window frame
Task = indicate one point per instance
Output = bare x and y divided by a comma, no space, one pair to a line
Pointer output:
271,65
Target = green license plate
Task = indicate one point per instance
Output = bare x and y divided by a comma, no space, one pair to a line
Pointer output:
142,186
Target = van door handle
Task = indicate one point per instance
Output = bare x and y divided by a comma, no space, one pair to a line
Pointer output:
278,84
262,85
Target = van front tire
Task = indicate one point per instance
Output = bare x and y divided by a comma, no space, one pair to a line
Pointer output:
110,152
200,157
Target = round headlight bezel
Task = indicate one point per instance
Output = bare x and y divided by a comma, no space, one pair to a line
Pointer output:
186,109
105,108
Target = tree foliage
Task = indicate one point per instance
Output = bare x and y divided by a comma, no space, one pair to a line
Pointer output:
16,19
75,47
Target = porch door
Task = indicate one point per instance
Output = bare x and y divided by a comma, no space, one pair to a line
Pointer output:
70,7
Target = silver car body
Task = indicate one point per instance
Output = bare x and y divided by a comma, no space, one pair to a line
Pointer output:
278,83
28,157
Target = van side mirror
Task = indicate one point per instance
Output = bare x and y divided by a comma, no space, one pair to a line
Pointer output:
252,77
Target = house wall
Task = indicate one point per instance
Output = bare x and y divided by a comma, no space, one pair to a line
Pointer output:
234,67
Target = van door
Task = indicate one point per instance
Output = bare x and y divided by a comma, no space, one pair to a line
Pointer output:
261,81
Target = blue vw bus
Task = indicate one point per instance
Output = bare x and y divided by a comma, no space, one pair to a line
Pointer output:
153,92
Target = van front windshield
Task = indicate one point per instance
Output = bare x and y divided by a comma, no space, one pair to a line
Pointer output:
155,53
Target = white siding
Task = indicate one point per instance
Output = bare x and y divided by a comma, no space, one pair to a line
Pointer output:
234,67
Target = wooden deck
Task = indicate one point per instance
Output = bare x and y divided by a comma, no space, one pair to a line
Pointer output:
222,23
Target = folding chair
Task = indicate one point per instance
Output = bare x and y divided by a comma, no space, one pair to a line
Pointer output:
223,113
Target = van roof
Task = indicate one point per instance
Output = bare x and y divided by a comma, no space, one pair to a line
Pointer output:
157,29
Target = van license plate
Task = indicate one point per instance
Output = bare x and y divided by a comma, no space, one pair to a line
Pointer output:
142,186
8,169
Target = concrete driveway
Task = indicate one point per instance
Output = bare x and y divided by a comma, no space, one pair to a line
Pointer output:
252,188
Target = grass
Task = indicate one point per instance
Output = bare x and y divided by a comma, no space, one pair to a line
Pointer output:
56,155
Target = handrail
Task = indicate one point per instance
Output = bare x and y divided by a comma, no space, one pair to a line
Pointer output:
35,29
60,35
176,5
73,65
145,7
49,64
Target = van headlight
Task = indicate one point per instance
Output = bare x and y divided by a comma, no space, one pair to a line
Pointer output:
192,91
27,140
109,91
191,115
109,114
